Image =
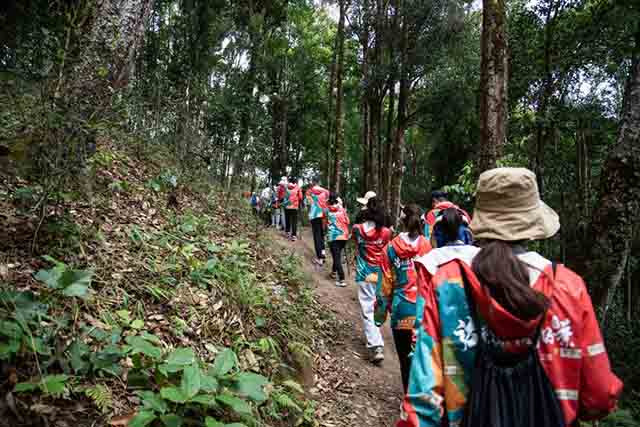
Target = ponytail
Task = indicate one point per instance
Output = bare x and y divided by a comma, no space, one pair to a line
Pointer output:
507,279
411,219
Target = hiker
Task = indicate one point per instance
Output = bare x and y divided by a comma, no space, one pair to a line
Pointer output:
316,198
370,236
292,200
397,286
363,202
338,235
255,204
451,228
265,205
282,194
275,208
507,338
439,202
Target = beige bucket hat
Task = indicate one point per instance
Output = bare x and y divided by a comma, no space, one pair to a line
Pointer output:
508,207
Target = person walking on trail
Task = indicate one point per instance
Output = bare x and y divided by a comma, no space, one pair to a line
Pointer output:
316,197
281,194
275,209
439,203
507,337
265,205
292,200
338,234
397,285
451,228
370,237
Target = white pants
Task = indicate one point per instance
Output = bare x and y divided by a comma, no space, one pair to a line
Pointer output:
275,218
367,298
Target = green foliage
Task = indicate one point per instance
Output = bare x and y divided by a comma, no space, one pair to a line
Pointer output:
54,385
101,396
62,278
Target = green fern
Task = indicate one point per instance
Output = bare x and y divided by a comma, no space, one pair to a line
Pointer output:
101,396
284,401
621,418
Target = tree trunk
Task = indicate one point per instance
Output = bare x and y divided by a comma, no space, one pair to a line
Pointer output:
494,77
618,210
339,130
397,163
330,116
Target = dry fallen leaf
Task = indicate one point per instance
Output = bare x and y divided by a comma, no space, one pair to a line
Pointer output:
122,420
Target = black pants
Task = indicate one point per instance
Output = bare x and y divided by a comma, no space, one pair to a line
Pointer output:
318,237
337,246
402,339
291,216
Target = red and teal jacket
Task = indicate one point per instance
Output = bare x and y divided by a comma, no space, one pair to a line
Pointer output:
369,245
430,217
293,196
281,194
337,223
397,285
317,201
571,348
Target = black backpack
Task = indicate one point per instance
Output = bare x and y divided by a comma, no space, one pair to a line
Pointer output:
509,390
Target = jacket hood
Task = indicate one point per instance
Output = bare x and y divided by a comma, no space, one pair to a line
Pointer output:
451,261
317,190
405,249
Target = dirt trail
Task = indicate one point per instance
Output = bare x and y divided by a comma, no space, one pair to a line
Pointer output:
350,390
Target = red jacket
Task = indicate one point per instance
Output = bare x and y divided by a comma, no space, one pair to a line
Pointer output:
571,347
430,217
293,196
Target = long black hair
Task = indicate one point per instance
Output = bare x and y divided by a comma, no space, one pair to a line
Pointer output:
375,212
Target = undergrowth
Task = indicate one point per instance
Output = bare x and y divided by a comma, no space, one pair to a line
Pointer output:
129,310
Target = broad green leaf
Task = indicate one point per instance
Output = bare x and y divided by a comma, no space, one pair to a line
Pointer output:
54,384
205,399
251,385
153,401
190,385
210,422
49,277
79,278
77,351
208,384
26,386
142,419
181,356
225,362
150,337
236,404
173,394
167,369
6,350
172,420
76,290
140,345
137,324
124,315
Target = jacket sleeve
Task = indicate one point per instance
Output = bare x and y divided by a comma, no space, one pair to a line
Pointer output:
599,387
423,279
384,289
423,405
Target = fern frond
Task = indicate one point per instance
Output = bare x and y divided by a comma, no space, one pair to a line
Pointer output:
101,396
284,401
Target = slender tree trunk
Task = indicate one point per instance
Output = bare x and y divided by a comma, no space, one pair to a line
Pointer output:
386,165
398,152
339,131
330,115
618,209
493,85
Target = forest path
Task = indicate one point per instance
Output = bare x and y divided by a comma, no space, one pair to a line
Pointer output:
349,389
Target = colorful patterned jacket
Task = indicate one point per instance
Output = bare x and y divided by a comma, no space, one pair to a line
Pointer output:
369,245
337,223
397,285
317,201
293,196
571,348
430,217
281,195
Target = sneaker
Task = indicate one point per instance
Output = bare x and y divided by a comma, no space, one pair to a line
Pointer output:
341,283
333,275
376,354
318,261
294,238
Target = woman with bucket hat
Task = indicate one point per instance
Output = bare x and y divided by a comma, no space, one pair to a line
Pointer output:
507,338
